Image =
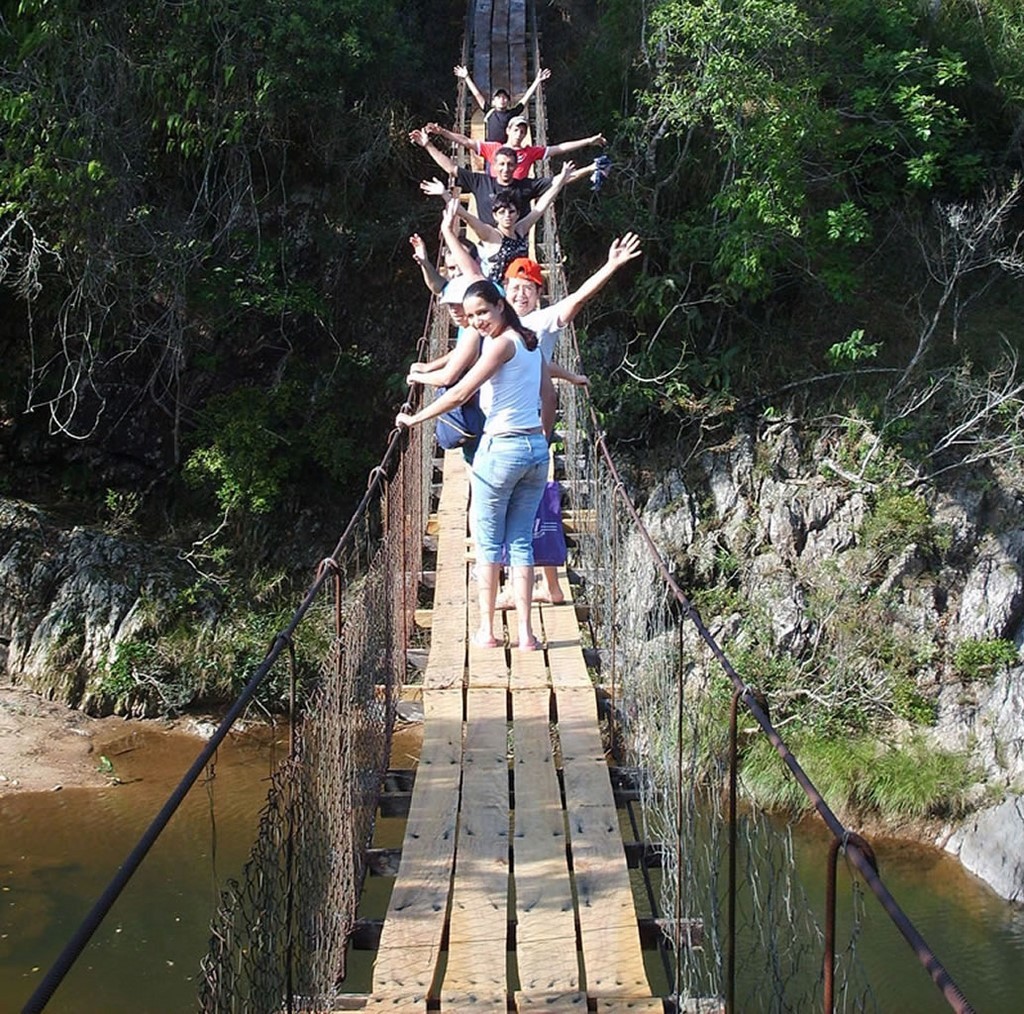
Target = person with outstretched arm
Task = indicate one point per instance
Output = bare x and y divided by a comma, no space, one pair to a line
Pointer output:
510,467
526,154
501,108
484,186
502,243
524,282
453,262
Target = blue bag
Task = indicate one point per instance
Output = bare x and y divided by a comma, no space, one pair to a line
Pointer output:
460,425
549,548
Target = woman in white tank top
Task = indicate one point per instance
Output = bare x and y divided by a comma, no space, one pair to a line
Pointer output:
511,464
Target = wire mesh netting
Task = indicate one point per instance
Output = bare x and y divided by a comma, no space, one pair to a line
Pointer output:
279,936
671,706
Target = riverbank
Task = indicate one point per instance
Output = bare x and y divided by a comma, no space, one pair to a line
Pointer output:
45,746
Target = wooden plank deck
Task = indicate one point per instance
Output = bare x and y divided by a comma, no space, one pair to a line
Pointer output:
513,891
506,895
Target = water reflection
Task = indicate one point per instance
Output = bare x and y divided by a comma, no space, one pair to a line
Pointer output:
978,936
59,850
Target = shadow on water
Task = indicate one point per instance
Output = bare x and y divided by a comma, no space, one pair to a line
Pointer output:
59,850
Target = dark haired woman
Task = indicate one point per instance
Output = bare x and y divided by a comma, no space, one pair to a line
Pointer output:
502,243
511,464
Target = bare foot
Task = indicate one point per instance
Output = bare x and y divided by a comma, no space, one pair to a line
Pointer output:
543,595
504,600
482,640
530,644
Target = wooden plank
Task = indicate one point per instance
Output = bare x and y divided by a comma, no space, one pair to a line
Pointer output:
583,520
612,954
446,663
518,78
482,48
689,1005
562,636
625,1004
477,935
500,77
566,1003
529,668
488,667
411,939
546,944
399,1003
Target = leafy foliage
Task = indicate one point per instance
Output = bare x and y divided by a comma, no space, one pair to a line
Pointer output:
899,518
975,659
913,780
783,162
163,212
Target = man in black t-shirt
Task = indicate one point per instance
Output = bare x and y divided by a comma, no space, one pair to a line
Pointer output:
484,186
501,108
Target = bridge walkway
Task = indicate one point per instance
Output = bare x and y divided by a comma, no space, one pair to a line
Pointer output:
512,892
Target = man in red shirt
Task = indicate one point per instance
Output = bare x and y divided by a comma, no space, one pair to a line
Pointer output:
526,154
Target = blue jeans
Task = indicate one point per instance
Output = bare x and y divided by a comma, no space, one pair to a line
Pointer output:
509,473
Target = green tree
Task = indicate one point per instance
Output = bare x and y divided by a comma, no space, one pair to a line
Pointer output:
184,189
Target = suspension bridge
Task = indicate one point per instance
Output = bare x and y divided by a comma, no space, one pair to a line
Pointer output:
514,888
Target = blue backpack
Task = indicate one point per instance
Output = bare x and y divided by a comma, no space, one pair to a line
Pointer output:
460,425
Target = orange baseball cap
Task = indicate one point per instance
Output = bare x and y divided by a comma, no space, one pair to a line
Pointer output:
523,267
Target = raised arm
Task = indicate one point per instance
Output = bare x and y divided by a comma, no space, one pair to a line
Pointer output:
469,266
585,173
487,233
621,252
561,373
422,138
463,73
544,201
584,142
494,354
453,136
432,278
542,75
432,366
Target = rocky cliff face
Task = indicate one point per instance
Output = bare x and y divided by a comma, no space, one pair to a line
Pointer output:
884,583
68,595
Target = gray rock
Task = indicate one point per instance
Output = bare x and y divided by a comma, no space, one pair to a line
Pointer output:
729,473
671,517
992,600
787,530
69,595
988,720
991,846
665,494
833,518
775,589
785,454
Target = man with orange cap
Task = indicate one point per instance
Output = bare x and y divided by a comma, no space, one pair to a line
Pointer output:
524,281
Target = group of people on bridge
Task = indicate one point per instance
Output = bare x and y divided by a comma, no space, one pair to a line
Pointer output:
506,340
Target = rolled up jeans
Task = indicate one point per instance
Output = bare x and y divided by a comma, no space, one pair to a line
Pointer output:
509,472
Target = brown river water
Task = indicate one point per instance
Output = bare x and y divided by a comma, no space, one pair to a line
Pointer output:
58,851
